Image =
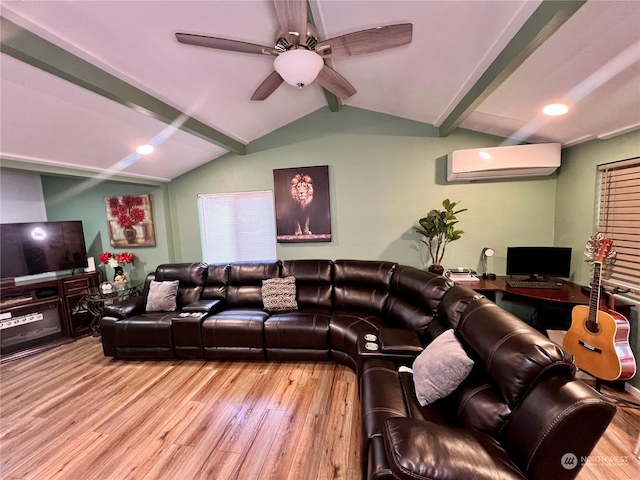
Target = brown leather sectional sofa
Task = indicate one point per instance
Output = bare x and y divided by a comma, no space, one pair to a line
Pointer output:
521,413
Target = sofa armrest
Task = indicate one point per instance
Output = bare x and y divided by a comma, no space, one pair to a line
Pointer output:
204,306
399,341
543,429
418,449
126,308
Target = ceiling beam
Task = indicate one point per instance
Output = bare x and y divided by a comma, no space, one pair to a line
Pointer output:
332,101
96,176
30,48
547,18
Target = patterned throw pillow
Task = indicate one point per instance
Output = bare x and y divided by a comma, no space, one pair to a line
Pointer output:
162,296
279,294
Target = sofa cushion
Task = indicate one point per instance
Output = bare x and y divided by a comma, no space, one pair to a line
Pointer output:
419,449
415,296
381,396
279,294
314,282
191,277
215,285
478,405
440,368
455,302
362,285
146,330
162,296
514,354
297,330
245,283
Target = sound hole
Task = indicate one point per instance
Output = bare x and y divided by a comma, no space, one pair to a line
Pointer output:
593,327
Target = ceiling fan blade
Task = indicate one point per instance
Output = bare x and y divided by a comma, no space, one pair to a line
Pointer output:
224,44
366,41
267,87
292,16
335,83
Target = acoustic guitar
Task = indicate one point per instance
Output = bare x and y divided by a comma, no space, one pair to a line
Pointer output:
599,337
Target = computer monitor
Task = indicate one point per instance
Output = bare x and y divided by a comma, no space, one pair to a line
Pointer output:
539,261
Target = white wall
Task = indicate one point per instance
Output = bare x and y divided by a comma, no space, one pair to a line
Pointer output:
21,198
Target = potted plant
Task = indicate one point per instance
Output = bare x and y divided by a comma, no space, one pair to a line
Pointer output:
438,230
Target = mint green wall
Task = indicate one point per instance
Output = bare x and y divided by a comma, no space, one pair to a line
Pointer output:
385,174
576,202
83,199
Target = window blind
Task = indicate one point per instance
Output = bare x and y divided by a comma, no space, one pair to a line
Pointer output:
237,227
619,220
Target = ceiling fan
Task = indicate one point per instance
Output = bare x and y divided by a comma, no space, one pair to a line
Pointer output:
300,54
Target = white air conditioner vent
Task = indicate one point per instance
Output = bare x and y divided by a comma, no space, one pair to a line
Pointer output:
503,162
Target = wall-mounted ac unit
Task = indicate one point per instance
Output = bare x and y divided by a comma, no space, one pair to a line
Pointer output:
503,162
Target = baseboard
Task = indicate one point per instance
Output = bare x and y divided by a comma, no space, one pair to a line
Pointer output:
632,390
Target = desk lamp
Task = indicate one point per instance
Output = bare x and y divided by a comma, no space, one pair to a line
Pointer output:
486,253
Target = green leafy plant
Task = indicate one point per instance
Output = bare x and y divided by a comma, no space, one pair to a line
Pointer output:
438,230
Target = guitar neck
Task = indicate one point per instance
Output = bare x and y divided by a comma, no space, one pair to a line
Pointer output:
594,297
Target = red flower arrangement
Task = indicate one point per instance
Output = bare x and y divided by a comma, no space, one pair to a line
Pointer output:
127,210
119,259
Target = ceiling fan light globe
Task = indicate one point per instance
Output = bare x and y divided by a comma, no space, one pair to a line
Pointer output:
298,67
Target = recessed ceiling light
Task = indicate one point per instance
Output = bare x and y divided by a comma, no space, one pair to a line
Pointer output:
555,109
144,149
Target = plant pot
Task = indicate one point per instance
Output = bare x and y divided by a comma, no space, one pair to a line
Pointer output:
130,235
437,269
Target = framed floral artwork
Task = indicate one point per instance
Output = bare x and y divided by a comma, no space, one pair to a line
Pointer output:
130,221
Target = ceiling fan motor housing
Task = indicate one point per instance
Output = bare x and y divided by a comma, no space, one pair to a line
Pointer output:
282,44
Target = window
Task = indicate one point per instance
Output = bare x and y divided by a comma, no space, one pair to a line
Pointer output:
619,220
237,227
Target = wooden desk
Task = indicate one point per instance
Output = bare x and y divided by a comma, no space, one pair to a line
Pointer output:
569,294
564,298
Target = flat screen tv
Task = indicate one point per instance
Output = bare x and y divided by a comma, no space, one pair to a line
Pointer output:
539,261
41,247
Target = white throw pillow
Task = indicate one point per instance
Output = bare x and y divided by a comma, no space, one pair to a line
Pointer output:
440,368
162,296
279,294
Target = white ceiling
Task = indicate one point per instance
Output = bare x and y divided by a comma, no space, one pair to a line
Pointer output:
592,63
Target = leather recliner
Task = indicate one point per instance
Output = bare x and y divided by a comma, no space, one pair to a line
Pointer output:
129,331
517,414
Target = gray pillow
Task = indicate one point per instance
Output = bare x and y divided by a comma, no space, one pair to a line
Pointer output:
162,296
279,294
440,368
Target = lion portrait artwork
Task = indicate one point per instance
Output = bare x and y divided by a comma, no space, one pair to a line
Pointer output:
302,204
302,195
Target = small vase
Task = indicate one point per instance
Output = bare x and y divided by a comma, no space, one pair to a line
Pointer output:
130,235
117,271
436,268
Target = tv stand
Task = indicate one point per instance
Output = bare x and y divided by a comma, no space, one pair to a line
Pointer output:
43,312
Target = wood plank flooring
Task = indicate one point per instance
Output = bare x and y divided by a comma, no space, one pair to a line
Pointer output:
70,413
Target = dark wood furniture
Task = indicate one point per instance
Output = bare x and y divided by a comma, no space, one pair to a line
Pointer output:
570,294
560,300
37,313
95,300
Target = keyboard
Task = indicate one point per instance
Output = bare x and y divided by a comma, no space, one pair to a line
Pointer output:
525,284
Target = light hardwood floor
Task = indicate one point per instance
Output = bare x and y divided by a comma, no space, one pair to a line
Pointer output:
71,413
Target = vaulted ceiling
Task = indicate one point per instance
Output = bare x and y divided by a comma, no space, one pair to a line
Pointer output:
84,82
